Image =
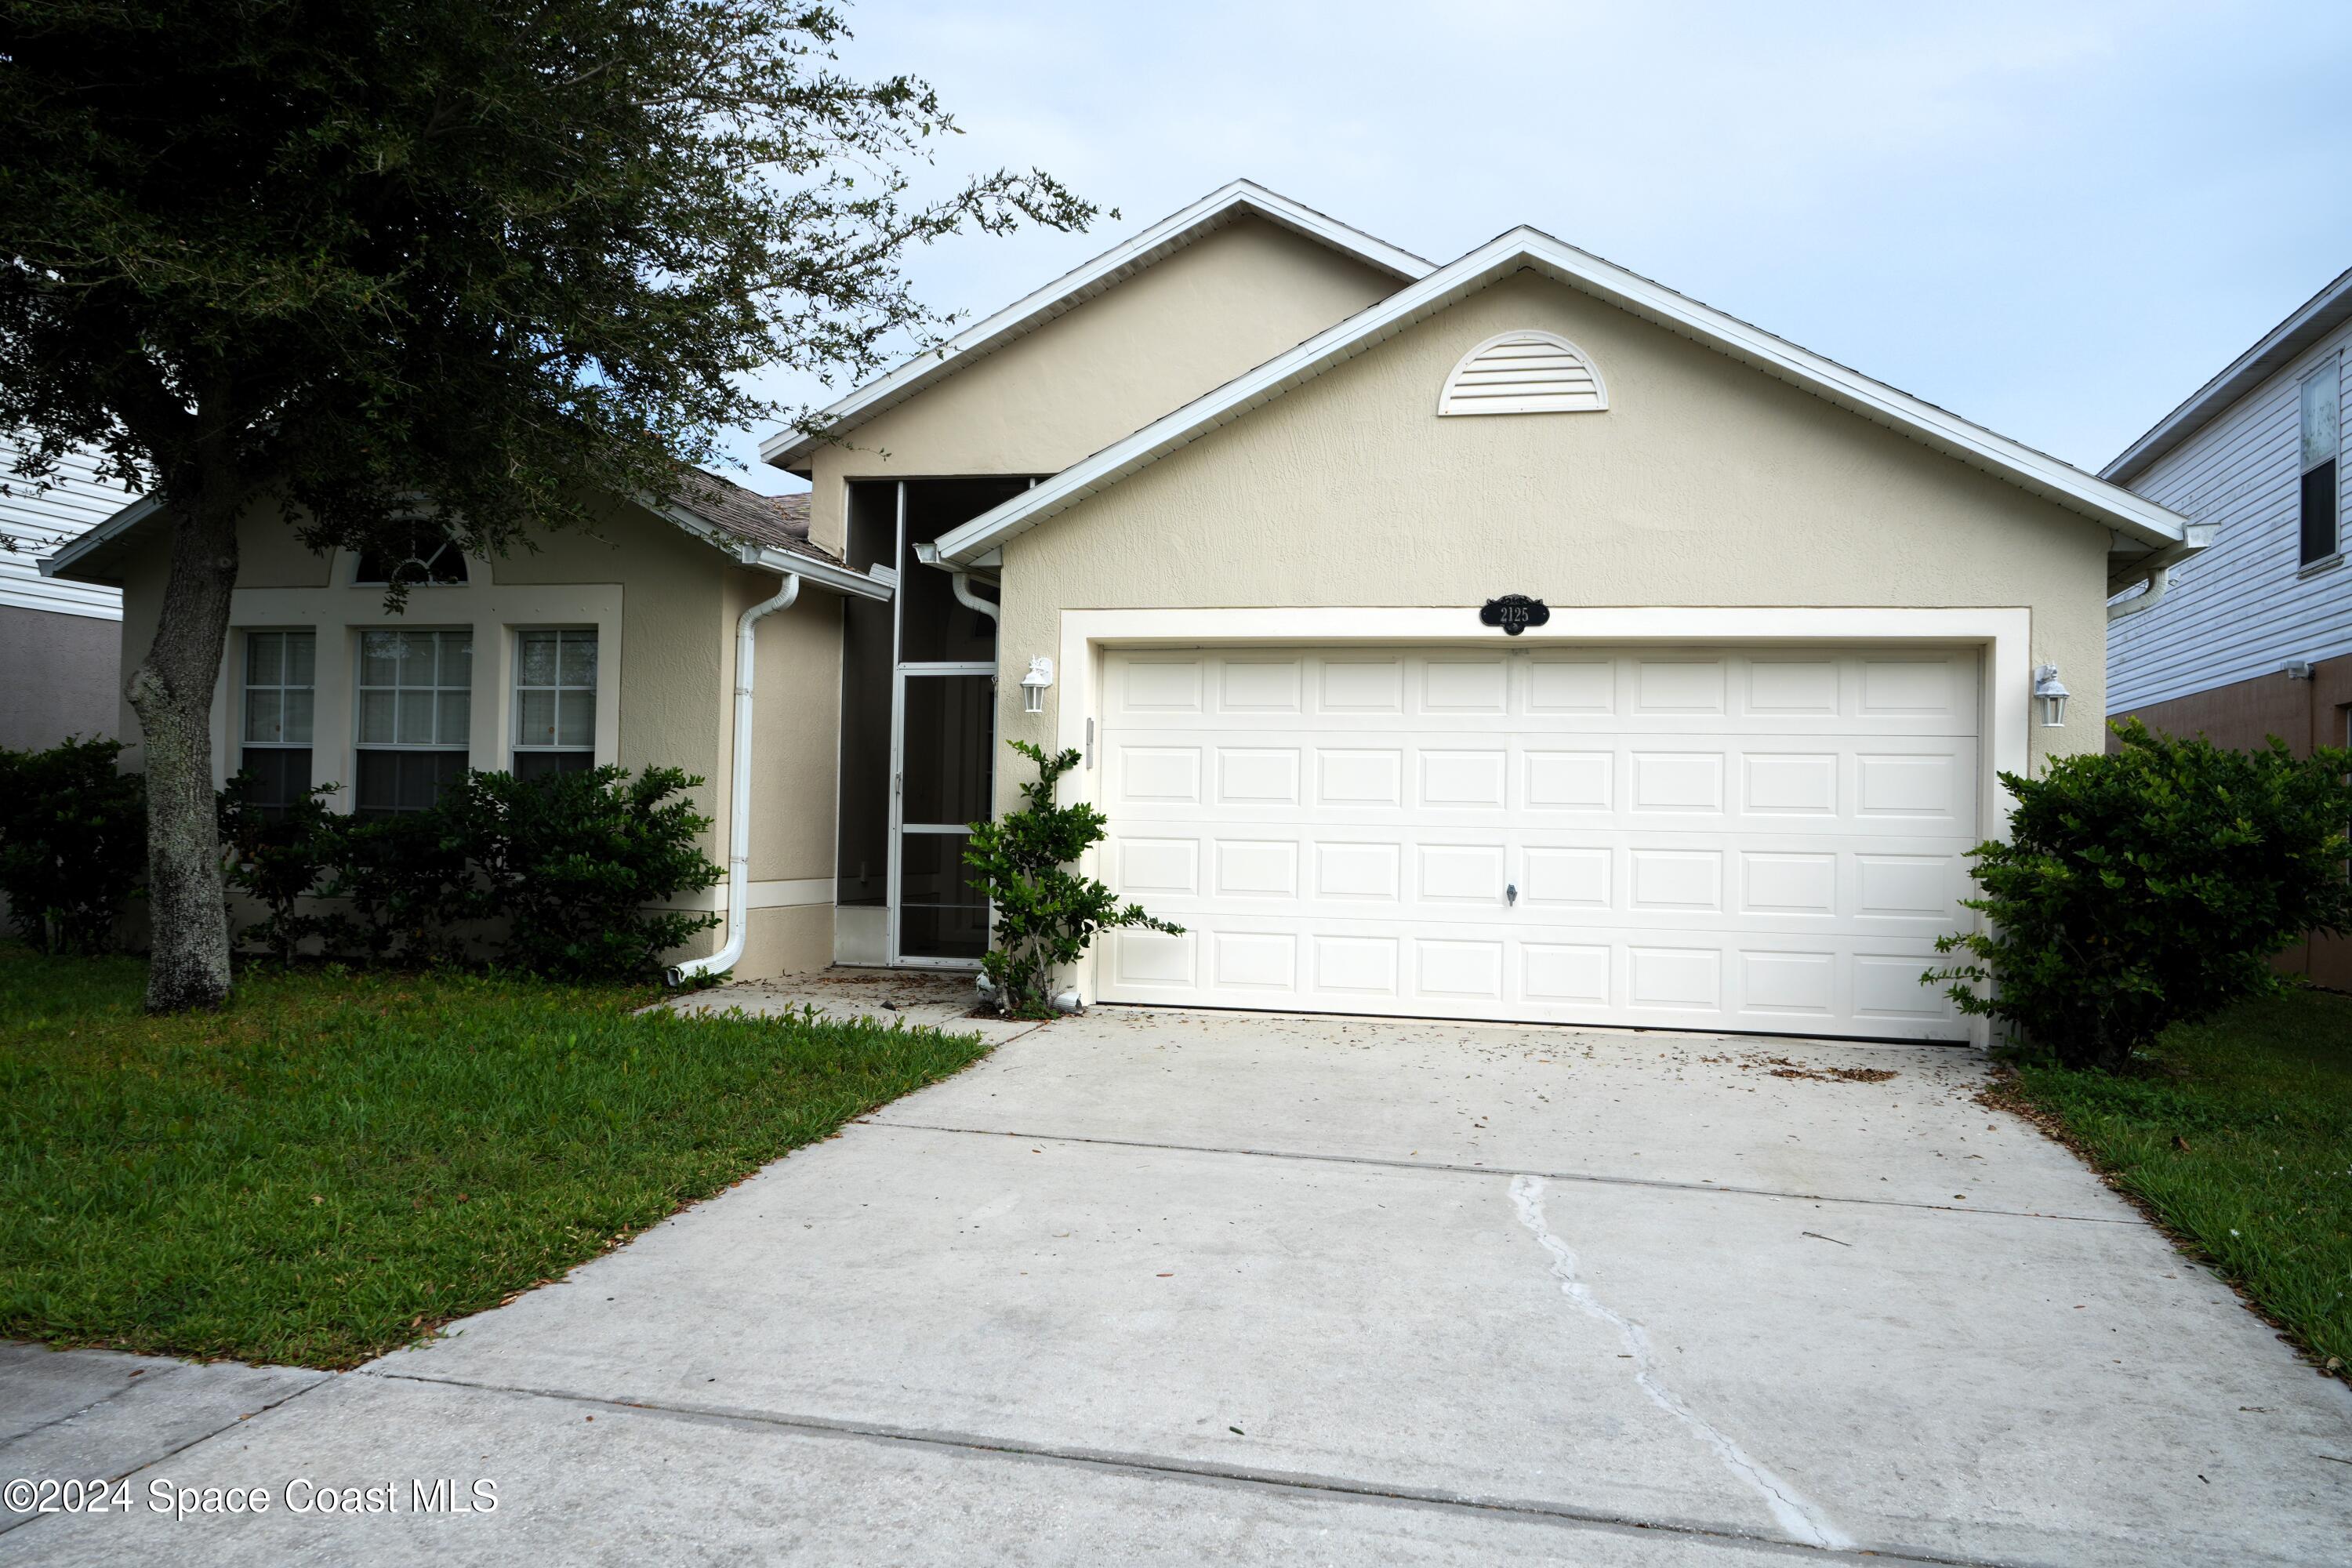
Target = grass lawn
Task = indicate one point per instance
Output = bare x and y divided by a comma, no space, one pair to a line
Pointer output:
2239,1137
337,1163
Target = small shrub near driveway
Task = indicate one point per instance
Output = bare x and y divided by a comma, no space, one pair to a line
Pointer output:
335,1162
2237,1134
1046,915
2150,887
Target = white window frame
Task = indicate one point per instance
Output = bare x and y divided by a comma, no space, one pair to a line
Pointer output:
361,688
516,687
339,610
2329,373
246,686
473,572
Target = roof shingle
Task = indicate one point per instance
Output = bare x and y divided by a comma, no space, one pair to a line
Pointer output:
779,522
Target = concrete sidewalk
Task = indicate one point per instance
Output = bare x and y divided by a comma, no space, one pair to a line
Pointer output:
1165,1287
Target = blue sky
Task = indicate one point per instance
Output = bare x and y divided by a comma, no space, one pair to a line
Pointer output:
2055,219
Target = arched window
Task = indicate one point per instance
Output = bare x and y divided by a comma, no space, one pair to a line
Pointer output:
1525,372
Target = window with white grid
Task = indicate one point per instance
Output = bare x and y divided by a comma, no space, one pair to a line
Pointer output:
279,694
554,701
415,707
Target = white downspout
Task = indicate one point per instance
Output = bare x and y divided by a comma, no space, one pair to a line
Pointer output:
738,796
962,583
2158,581
2156,570
958,579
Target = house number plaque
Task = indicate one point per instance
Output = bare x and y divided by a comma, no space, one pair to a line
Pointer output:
1515,613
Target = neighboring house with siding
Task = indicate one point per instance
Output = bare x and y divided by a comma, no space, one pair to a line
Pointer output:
1254,511
2253,638
60,642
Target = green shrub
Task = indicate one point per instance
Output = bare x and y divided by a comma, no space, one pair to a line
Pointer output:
279,856
571,865
576,862
1046,915
413,895
2149,886
73,843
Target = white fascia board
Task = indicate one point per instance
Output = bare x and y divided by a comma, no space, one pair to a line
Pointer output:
815,571
61,565
1075,287
2313,320
2033,471
821,575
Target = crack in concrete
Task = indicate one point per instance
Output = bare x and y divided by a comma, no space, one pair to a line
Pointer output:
7,1524
1173,1469
1456,1168
1795,1513
129,1383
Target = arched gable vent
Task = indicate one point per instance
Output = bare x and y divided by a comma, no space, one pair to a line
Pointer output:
1524,372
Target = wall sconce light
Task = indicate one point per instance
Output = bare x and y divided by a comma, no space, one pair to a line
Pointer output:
2049,696
1033,684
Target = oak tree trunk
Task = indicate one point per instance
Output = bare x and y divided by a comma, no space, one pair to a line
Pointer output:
171,693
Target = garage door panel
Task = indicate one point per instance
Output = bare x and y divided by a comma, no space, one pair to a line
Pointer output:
1557,781
1757,839
1254,961
1448,778
1351,778
1259,776
1678,783
1349,686
1632,879
1159,868
1269,684
1465,685
1680,687
1564,688
1256,868
1692,979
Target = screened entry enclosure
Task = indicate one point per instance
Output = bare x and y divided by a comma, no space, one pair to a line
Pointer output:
919,733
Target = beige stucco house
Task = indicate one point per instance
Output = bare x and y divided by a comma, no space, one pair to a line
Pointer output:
1510,638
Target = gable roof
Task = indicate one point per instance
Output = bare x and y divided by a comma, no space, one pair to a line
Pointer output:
2306,325
1523,248
771,532
1227,204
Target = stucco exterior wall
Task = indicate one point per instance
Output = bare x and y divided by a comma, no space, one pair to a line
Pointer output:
664,606
656,597
1705,484
795,741
1231,300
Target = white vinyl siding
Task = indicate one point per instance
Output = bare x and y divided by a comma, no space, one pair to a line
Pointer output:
2246,606
1685,837
35,522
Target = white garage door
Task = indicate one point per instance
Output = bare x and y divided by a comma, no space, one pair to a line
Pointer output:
1682,837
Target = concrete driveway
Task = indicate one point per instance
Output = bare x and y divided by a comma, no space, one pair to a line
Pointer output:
1172,1287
